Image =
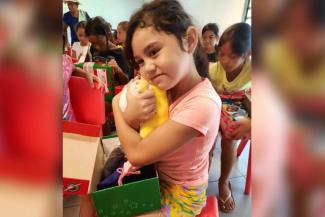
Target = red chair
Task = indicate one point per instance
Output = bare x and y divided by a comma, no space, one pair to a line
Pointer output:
87,103
240,149
211,208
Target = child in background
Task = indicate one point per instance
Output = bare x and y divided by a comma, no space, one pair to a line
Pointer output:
210,37
162,43
100,36
231,74
82,46
121,32
68,70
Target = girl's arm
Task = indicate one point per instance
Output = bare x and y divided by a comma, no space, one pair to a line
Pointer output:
162,141
122,76
247,105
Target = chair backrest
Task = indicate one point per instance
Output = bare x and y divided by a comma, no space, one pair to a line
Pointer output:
87,103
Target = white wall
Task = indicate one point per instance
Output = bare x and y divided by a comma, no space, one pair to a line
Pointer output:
113,11
223,12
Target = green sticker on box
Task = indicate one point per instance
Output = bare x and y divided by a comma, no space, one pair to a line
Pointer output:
129,199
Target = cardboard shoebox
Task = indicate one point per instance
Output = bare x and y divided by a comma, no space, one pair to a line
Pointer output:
83,158
139,193
83,161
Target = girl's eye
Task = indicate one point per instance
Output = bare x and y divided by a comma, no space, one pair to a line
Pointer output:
153,52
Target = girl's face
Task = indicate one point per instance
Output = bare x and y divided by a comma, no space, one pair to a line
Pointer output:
121,34
209,40
229,60
99,42
73,7
160,58
82,36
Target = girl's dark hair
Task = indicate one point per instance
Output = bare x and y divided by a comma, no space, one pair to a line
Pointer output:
167,16
239,36
212,27
98,26
81,24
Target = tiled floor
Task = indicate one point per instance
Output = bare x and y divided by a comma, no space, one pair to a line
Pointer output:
238,178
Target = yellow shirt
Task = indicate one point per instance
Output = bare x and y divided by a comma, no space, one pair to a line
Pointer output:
220,82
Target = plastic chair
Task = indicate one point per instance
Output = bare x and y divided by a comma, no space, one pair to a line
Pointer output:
240,149
211,208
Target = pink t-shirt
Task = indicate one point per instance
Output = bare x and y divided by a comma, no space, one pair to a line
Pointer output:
200,109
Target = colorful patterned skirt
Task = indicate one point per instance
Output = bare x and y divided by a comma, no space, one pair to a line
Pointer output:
182,201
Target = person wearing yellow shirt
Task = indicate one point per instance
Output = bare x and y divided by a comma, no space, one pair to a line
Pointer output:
232,74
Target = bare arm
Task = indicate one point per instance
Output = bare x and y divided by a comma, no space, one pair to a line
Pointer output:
117,69
151,149
65,28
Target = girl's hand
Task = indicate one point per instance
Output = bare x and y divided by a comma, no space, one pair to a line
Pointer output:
114,65
91,78
241,128
140,106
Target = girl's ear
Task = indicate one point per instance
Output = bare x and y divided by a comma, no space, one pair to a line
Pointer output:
191,39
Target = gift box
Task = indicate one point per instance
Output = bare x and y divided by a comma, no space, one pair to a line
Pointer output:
139,193
82,158
88,103
104,73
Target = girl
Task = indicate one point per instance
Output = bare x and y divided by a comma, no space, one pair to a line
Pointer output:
100,36
121,32
82,46
162,44
231,74
210,37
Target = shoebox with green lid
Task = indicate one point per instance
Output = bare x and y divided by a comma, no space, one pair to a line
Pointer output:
139,193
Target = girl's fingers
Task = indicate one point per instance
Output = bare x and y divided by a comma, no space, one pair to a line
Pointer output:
91,82
150,108
150,114
147,94
148,103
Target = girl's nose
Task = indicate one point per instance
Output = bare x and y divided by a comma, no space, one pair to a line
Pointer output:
149,69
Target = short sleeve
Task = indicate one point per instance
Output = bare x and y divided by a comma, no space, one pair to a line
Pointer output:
66,18
199,113
120,60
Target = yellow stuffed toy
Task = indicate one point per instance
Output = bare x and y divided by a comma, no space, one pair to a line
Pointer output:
161,106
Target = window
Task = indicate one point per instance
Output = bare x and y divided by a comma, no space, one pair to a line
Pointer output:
247,16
